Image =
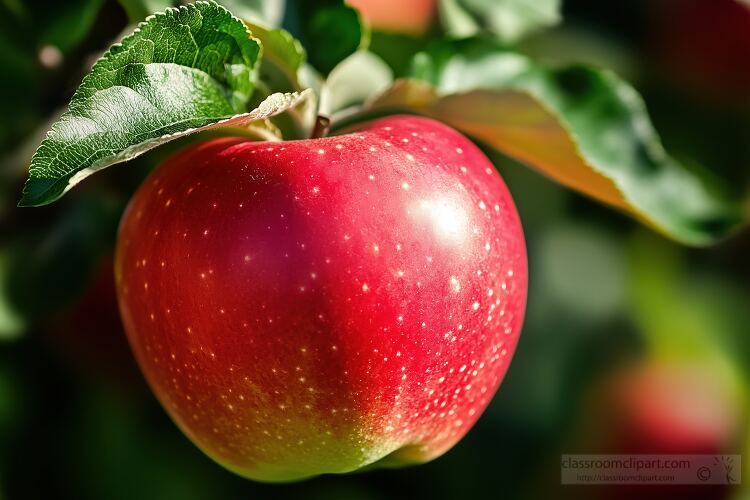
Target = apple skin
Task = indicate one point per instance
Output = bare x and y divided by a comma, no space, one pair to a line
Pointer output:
317,306
411,17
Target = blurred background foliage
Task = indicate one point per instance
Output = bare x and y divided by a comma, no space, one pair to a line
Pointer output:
621,323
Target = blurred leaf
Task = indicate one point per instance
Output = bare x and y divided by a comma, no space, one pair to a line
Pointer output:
331,31
584,269
69,28
686,317
584,128
35,38
19,113
179,71
12,324
353,81
33,24
13,6
396,49
509,20
265,12
568,44
679,311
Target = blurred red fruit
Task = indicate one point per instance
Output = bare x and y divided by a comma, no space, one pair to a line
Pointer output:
398,16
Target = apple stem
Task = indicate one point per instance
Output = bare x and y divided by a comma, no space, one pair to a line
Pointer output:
322,124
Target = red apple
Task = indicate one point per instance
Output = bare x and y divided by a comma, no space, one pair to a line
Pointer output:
317,306
410,17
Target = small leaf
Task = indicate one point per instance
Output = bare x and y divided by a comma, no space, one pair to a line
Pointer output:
353,81
330,30
509,20
283,57
284,69
179,71
584,128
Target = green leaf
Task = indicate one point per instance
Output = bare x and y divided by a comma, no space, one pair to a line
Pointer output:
283,57
284,68
330,30
179,71
396,49
353,81
253,121
509,20
584,128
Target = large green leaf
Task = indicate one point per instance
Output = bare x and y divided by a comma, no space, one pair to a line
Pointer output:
584,128
180,70
509,20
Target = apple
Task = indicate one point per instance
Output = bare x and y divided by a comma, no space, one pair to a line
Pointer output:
322,305
411,17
